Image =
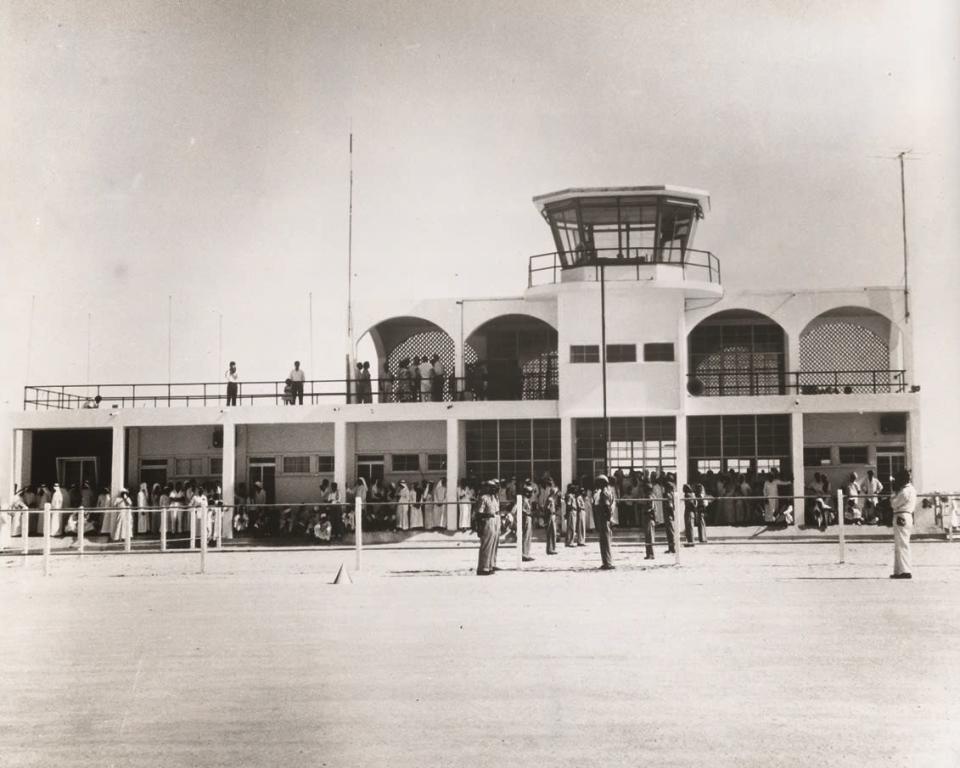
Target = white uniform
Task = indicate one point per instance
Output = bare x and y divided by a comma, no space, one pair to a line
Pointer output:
904,503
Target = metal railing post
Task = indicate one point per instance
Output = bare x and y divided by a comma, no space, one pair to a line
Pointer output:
358,527
46,539
204,512
193,527
841,531
25,531
163,530
518,516
128,529
219,527
81,514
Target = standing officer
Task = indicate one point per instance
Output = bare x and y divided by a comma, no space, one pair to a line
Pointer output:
526,510
488,523
669,517
582,494
550,516
904,503
648,518
602,513
571,515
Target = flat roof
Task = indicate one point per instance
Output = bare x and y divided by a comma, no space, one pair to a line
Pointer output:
659,190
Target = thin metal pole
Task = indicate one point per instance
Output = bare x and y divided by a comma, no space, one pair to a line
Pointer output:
903,224
88,348
518,516
603,359
25,531
349,372
677,511
163,530
128,529
841,539
81,514
169,339
204,511
313,370
358,527
33,304
46,539
219,345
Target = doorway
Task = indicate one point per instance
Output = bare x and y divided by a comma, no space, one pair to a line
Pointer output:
264,470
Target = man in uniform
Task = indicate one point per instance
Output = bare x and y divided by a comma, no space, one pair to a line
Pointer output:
525,509
602,513
570,502
488,523
583,496
550,515
648,517
669,514
904,503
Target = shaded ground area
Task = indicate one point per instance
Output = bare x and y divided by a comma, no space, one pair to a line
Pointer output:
766,654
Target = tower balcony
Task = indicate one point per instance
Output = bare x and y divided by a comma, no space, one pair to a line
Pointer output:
669,265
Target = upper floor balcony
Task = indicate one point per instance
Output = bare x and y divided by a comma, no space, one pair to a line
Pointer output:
623,263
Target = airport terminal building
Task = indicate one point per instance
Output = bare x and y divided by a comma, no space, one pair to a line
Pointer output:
626,351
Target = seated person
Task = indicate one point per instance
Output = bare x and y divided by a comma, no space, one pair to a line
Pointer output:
323,530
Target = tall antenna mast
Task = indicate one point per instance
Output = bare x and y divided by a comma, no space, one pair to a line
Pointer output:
903,224
350,270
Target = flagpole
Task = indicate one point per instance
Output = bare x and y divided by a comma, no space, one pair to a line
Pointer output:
169,339
350,274
903,224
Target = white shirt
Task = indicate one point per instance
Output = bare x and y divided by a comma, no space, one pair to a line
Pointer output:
233,377
905,501
425,369
297,374
870,489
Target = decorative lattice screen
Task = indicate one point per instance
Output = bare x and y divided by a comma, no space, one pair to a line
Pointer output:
843,346
429,343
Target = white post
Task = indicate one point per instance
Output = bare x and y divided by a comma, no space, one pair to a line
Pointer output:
25,531
358,527
46,539
219,526
193,527
840,522
203,539
163,530
81,513
796,468
128,529
678,512
518,516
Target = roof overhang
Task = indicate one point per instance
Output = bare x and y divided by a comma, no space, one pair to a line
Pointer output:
661,190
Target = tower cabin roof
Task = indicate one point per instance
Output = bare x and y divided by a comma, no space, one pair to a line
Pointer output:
653,190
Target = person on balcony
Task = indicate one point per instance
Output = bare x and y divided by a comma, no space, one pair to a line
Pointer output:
364,386
426,379
297,378
385,383
233,383
438,376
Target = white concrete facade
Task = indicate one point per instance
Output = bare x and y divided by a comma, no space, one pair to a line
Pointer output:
638,304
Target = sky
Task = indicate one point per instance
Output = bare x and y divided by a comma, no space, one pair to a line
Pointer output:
194,156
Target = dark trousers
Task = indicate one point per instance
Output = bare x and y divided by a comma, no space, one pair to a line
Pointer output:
527,534
668,524
570,539
436,389
582,526
688,524
232,388
701,527
606,537
298,392
649,533
497,525
551,534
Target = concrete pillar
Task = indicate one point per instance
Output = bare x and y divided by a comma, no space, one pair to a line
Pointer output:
118,460
682,453
458,345
567,453
792,362
913,449
796,463
454,469
229,482
24,458
344,449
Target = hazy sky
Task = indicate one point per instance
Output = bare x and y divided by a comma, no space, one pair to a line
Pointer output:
199,150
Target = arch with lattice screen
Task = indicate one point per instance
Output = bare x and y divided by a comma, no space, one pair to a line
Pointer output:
517,359
848,349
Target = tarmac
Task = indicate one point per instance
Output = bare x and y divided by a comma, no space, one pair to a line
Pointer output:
746,654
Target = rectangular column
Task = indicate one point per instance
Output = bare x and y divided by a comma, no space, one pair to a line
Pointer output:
24,470
117,460
454,469
344,447
229,481
796,464
8,460
682,453
567,453
913,449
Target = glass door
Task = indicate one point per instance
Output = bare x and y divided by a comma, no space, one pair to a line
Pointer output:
264,470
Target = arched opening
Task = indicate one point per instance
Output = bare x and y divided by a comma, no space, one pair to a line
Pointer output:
415,361
516,360
849,349
737,352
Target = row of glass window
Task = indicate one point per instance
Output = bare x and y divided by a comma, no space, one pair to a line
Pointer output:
622,353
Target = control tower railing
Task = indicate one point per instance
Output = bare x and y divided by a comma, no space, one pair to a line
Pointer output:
545,268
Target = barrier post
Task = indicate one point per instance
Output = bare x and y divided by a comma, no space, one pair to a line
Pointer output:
203,539
25,532
358,527
193,527
46,539
163,530
81,540
127,529
518,516
219,524
677,511
840,511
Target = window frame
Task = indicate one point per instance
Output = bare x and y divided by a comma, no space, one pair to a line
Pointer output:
393,462
649,356
297,456
618,356
585,352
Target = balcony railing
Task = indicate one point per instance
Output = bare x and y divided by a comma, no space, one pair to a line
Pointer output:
732,382
545,268
529,386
